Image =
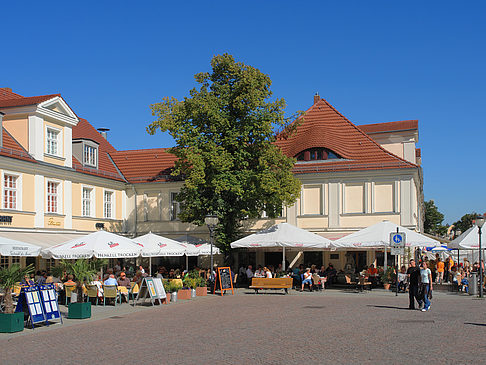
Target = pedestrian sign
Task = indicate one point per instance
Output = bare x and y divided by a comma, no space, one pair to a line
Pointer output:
397,243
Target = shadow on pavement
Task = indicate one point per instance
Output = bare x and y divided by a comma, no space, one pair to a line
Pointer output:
388,307
476,324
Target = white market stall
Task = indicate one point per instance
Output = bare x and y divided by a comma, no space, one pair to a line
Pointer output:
156,246
283,235
10,247
467,244
196,246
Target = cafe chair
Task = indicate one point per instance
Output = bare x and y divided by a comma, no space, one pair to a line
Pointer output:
92,292
111,292
69,289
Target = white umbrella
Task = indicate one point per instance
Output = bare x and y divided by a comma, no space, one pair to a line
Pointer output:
10,247
100,244
469,240
205,249
155,245
378,236
283,235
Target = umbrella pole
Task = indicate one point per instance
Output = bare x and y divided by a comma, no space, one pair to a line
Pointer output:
385,262
187,263
150,265
283,259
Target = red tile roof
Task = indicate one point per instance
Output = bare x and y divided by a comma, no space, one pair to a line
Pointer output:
323,126
106,168
148,165
11,148
402,125
31,100
6,93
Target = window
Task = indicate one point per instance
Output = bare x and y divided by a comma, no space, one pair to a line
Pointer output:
90,156
108,204
174,207
4,261
52,197
52,141
87,202
317,154
10,191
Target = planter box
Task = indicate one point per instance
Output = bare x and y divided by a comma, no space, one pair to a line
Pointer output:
167,299
386,286
79,310
11,322
202,291
184,294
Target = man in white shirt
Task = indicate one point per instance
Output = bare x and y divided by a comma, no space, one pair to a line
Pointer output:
249,274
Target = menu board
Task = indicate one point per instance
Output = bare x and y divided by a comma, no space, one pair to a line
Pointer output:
159,287
149,288
30,301
223,280
49,301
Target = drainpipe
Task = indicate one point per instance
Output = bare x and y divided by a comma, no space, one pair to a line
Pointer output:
136,208
1,129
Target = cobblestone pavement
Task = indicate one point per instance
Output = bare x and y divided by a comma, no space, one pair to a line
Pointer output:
301,328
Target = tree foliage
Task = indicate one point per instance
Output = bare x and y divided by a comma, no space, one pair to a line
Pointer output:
9,277
224,134
433,219
465,222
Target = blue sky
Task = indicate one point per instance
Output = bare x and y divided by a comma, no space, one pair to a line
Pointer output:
375,61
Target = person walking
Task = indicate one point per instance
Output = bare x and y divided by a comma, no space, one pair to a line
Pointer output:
440,271
413,274
426,282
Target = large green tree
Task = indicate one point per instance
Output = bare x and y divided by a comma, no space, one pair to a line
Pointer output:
465,222
433,219
224,133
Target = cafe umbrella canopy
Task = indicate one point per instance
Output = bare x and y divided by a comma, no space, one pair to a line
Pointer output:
156,246
100,244
378,236
283,235
9,247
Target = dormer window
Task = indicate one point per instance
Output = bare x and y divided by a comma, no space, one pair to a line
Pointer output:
86,151
90,155
317,154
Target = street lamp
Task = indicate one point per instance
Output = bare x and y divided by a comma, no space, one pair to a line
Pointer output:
457,234
480,223
211,221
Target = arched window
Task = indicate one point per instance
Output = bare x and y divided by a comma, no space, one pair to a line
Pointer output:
317,154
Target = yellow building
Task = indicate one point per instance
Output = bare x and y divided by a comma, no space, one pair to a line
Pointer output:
61,178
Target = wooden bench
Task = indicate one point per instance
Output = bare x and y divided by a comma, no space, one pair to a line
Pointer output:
271,283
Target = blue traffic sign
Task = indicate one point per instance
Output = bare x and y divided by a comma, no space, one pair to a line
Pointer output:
397,238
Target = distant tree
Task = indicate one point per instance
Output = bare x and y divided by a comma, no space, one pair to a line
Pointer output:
465,222
433,219
224,134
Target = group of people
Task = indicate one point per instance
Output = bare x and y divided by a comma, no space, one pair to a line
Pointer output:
300,275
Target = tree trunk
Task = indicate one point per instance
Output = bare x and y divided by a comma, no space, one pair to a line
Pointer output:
9,308
79,293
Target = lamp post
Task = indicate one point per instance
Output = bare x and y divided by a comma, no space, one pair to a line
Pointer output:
480,223
211,221
457,234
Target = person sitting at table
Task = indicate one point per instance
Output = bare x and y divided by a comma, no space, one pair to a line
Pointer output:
372,271
307,279
259,273
125,282
42,279
160,273
70,280
138,278
268,273
111,280
331,274
402,279
27,281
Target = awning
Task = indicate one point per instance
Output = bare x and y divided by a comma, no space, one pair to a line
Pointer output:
43,239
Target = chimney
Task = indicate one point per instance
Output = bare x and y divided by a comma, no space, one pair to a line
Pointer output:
1,129
104,132
316,98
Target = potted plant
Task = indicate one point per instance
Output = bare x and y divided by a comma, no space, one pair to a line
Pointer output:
201,287
167,289
191,283
185,292
9,277
83,271
387,277
174,289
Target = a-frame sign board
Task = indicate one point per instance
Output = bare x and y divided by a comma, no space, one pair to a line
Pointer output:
40,302
223,280
147,288
49,302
